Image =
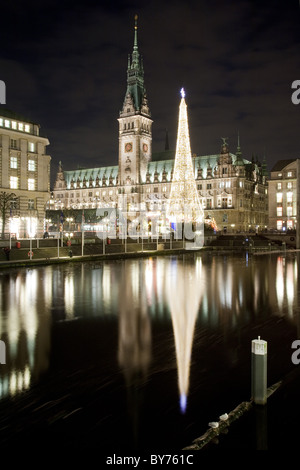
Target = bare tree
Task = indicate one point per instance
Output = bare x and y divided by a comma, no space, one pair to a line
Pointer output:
5,204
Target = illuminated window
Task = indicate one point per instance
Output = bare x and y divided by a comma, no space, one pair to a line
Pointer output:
21,126
289,211
31,184
279,186
7,123
14,124
31,165
224,202
31,146
228,184
289,185
241,184
27,128
1,122
30,204
279,211
279,224
13,162
289,197
289,174
13,182
279,197
14,203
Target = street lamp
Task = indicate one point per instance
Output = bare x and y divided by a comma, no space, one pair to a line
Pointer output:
69,220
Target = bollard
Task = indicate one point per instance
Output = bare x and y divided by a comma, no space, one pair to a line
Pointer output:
259,371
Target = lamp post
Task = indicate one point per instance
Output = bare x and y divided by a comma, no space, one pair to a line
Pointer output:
69,220
48,222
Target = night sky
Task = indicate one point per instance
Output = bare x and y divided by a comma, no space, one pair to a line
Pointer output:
64,65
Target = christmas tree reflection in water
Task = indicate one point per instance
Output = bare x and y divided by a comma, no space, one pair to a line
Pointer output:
184,288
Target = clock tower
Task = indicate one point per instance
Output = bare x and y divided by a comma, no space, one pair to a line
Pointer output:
135,128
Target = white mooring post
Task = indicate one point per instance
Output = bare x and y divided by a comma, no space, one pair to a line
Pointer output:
259,371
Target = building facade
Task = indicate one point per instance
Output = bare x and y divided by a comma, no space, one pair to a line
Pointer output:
24,173
283,195
232,190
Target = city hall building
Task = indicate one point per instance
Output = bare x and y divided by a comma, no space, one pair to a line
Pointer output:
232,190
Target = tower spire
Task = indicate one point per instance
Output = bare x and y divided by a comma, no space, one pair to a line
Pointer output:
135,54
135,95
238,150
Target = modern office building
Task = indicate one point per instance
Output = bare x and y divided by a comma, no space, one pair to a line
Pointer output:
24,174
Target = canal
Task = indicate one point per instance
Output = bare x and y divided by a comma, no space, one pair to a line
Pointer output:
139,354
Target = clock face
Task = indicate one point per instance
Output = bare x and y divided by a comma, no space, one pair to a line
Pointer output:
128,147
145,148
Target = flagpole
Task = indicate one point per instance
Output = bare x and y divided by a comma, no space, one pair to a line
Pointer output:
62,227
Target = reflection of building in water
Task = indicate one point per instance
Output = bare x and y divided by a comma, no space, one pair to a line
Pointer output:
134,324
134,352
185,287
25,329
285,290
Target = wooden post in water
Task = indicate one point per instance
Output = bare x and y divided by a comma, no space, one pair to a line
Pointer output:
259,371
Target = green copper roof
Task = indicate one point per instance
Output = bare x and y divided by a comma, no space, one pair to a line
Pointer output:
91,173
155,168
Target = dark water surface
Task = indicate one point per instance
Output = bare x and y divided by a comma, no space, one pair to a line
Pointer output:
139,354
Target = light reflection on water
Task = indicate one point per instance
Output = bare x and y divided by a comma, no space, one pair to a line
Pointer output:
190,291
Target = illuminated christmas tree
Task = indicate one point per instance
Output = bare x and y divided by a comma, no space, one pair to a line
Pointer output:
184,204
